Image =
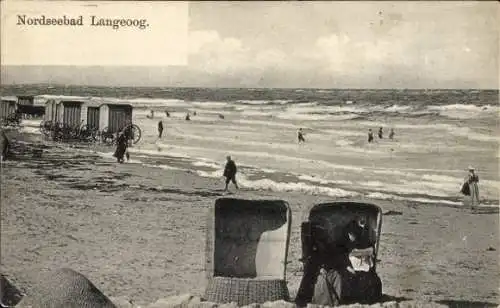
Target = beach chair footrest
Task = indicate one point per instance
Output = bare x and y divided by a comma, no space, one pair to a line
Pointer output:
245,291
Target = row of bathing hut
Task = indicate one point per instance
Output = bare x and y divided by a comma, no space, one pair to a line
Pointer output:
96,113
11,105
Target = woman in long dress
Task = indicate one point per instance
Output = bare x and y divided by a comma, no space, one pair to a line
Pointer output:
472,180
121,147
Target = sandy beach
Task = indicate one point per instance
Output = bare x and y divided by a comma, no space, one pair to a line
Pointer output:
139,232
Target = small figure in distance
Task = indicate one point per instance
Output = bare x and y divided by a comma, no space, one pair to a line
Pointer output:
391,134
370,136
380,133
230,172
121,148
188,118
471,187
5,146
160,129
300,136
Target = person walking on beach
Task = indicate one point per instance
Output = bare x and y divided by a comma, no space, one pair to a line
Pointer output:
5,146
380,133
391,134
188,118
370,136
160,129
471,188
230,172
300,136
121,148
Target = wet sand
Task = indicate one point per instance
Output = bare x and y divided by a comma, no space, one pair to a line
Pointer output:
139,232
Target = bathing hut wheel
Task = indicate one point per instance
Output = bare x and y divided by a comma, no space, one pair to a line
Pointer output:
134,132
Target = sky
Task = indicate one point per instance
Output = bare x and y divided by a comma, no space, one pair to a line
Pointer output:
362,44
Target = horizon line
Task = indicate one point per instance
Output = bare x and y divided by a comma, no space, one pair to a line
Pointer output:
247,87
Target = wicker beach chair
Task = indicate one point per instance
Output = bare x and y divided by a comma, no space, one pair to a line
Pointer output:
331,219
247,246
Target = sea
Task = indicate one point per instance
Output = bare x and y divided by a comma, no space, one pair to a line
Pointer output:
439,133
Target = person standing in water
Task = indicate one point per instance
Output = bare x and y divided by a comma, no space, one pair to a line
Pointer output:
472,181
391,134
230,172
370,136
160,129
300,136
380,133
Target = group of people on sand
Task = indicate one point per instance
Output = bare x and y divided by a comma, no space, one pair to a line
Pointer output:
301,139
380,134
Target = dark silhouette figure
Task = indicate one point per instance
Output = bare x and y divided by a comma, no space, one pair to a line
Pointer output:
329,277
230,172
300,136
188,118
121,147
380,133
370,136
160,129
5,145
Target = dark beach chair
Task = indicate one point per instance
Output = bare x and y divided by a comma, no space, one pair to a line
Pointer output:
247,247
329,220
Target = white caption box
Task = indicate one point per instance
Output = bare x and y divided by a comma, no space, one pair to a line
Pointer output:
83,33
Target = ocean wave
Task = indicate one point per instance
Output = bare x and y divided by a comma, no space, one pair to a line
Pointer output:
384,196
268,123
206,164
217,105
438,192
465,107
267,184
314,117
263,102
319,180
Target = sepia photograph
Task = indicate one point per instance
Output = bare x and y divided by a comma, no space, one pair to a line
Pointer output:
261,154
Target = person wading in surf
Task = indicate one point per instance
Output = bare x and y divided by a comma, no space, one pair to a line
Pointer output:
391,134
300,136
230,172
160,129
370,136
